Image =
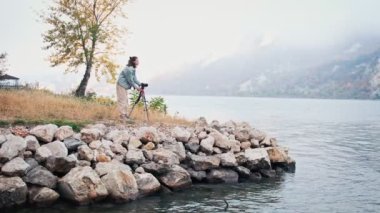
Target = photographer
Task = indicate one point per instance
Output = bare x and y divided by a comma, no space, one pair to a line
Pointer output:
127,80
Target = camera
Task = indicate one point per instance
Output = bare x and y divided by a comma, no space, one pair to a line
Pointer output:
143,85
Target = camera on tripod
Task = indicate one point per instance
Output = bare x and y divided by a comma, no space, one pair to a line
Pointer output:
143,85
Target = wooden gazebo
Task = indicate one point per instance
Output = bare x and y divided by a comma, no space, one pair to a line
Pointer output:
8,81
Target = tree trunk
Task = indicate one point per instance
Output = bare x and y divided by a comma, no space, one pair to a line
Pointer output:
81,91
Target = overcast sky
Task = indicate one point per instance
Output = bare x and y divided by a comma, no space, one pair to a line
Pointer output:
168,35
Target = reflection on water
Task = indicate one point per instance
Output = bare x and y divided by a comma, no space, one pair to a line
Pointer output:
336,144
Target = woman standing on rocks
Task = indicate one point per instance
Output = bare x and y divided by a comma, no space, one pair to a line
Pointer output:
127,80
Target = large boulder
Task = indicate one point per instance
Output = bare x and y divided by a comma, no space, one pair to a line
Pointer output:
82,185
85,153
42,154
176,147
42,196
147,184
44,133
72,144
257,159
61,165
164,156
228,159
176,178
118,136
243,172
32,143
201,163
104,168
14,146
148,134
15,167
89,135
57,148
135,156
64,132
156,168
41,176
196,175
13,191
181,134
207,144
277,155
222,176
221,140
121,185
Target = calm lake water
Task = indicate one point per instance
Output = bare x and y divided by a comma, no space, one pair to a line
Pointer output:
336,144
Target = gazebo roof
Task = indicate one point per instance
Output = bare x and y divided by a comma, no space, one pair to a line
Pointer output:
8,77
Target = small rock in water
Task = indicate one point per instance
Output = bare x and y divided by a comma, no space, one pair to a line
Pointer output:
222,176
176,178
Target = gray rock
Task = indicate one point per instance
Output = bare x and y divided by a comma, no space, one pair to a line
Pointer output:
166,156
268,141
118,136
44,133
176,147
121,185
222,176
243,172
139,170
228,159
83,163
181,134
82,185
242,134
15,167
118,149
257,159
255,143
221,140
255,176
104,168
85,153
216,150
193,146
148,134
268,173
13,191
101,127
135,157
57,148
95,144
32,163
64,132
61,165
89,135
42,196
207,144
14,146
134,143
72,144
196,175
245,145
235,146
201,163
176,178
42,154
147,184
28,154
202,135
32,143
156,168
257,134
41,176
2,139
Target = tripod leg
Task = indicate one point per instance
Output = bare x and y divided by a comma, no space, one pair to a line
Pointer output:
146,108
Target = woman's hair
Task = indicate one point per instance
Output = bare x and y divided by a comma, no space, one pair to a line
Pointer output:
131,62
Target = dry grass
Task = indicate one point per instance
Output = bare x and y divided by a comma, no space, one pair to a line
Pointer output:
40,105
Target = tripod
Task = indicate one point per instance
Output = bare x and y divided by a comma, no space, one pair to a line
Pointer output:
141,96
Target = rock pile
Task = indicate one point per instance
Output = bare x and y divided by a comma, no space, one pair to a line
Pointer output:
49,162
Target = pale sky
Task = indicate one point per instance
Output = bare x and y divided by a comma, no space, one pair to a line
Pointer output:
168,35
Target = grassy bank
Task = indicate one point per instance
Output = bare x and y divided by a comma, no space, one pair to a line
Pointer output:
30,107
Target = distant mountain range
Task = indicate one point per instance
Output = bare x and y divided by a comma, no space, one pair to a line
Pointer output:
275,73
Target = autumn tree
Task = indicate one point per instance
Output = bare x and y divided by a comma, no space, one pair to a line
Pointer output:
84,33
3,63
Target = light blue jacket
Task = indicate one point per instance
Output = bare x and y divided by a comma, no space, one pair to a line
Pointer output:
127,78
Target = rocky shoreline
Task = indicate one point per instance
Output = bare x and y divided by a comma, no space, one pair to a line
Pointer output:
45,163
